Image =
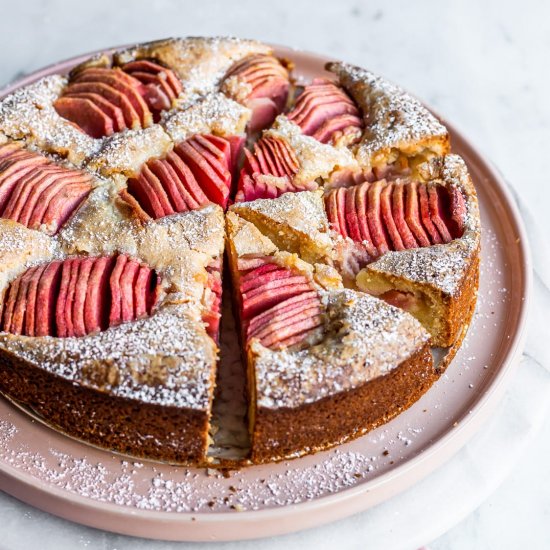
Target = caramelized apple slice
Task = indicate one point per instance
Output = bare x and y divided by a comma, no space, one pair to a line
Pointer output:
457,208
425,216
268,83
63,204
127,284
81,287
176,192
20,306
115,313
71,293
398,212
412,214
214,187
387,217
282,332
266,298
141,291
276,318
46,295
144,66
32,292
13,171
248,284
194,195
291,304
112,111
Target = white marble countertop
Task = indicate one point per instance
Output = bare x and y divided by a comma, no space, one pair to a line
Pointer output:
483,65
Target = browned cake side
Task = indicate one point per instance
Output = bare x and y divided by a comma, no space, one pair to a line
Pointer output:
124,425
286,432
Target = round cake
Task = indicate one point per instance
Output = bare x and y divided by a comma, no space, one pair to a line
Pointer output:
149,183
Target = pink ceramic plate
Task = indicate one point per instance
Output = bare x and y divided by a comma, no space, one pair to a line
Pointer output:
104,490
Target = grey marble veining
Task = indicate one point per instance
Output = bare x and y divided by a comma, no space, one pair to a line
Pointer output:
484,65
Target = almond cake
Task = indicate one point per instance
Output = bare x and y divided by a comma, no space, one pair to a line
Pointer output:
348,231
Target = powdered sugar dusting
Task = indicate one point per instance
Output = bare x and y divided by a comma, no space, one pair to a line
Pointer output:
162,359
365,338
441,265
215,113
126,152
393,118
28,114
315,159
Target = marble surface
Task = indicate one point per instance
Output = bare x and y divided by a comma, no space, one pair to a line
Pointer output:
481,64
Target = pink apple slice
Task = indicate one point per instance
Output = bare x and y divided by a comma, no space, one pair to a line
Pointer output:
114,96
266,298
425,217
145,66
86,115
398,213
122,82
115,313
46,297
71,291
387,217
112,111
85,268
260,280
61,303
96,306
186,177
127,283
412,215
437,213
374,217
141,290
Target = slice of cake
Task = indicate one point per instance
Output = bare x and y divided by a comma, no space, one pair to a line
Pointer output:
324,364
437,283
118,326
399,130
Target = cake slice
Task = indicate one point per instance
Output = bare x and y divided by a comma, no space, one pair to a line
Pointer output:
413,242
436,283
318,355
399,130
122,325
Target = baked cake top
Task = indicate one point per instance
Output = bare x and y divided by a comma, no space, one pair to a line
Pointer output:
137,154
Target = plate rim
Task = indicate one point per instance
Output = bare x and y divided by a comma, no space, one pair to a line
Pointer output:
28,488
